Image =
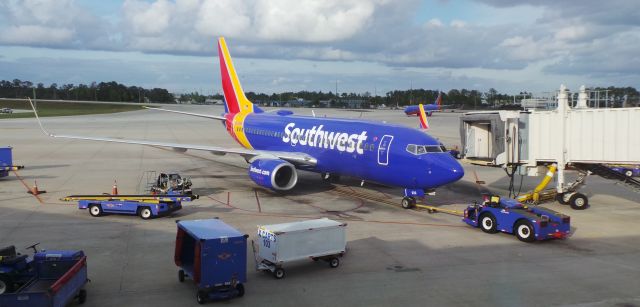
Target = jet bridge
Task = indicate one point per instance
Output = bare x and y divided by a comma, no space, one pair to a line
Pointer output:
579,138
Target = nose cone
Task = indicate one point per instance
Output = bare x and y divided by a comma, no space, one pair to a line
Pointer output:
445,169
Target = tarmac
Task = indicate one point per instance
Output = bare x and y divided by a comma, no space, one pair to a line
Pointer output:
395,257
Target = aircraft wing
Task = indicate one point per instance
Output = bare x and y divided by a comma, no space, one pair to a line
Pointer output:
189,113
296,158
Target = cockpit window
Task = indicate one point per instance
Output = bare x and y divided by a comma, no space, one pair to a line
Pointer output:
423,149
433,148
411,148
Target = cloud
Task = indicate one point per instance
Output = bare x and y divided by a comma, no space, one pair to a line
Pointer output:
50,23
36,35
564,38
310,20
147,19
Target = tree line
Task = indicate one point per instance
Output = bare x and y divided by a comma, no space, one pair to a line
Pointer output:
103,91
114,91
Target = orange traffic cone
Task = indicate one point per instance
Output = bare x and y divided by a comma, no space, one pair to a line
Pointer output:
35,190
114,190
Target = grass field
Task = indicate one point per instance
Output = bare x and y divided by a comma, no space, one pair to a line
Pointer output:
50,108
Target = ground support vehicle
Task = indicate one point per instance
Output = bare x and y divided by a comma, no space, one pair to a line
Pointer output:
627,170
6,162
320,239
167,184
52,278
145,210
511,216
214,255
145,206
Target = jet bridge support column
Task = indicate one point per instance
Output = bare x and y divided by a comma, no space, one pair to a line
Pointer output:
563,105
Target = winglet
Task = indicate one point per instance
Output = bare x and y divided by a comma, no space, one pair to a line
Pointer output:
38,119
234,98
424,124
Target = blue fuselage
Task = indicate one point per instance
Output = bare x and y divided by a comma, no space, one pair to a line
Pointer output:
415,109
371,151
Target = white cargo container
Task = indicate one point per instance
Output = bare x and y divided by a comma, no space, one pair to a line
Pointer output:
320,239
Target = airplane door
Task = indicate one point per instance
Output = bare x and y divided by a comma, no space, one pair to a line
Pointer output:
383,149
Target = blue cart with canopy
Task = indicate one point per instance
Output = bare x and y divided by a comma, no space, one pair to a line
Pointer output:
214,255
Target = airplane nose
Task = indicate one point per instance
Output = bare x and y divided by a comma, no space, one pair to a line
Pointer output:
446,169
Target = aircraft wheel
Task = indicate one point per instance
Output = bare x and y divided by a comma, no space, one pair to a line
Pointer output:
488,223
408,202
628,173
524,231
181,275
563,198
579,201
95,210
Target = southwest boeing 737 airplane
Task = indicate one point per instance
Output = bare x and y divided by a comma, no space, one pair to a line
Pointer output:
429,108
277,144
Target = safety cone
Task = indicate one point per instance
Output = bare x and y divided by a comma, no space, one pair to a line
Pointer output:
114,190
35,190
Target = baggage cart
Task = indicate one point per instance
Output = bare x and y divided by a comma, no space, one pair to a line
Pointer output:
58,278
320,239
214,255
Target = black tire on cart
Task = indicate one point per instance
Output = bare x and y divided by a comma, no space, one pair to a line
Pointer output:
278,273
6,286
628,173
82,296
487,222
579,201
524,231
95,210
202,297
181,275
563,198
408,202
334,262
145,213
240,288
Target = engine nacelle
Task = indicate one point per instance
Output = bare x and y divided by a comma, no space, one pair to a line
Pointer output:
274,174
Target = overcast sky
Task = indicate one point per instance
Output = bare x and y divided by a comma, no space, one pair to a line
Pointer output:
292,45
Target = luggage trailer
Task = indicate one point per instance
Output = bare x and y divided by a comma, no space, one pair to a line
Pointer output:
319,239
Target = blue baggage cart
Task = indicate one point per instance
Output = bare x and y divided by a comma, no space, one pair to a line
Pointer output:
6,161
57,277
214,255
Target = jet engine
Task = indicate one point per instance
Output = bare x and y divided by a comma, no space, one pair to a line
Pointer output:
274,174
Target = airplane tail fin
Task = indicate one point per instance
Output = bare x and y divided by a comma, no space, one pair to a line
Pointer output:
424,124
234,98
439,100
